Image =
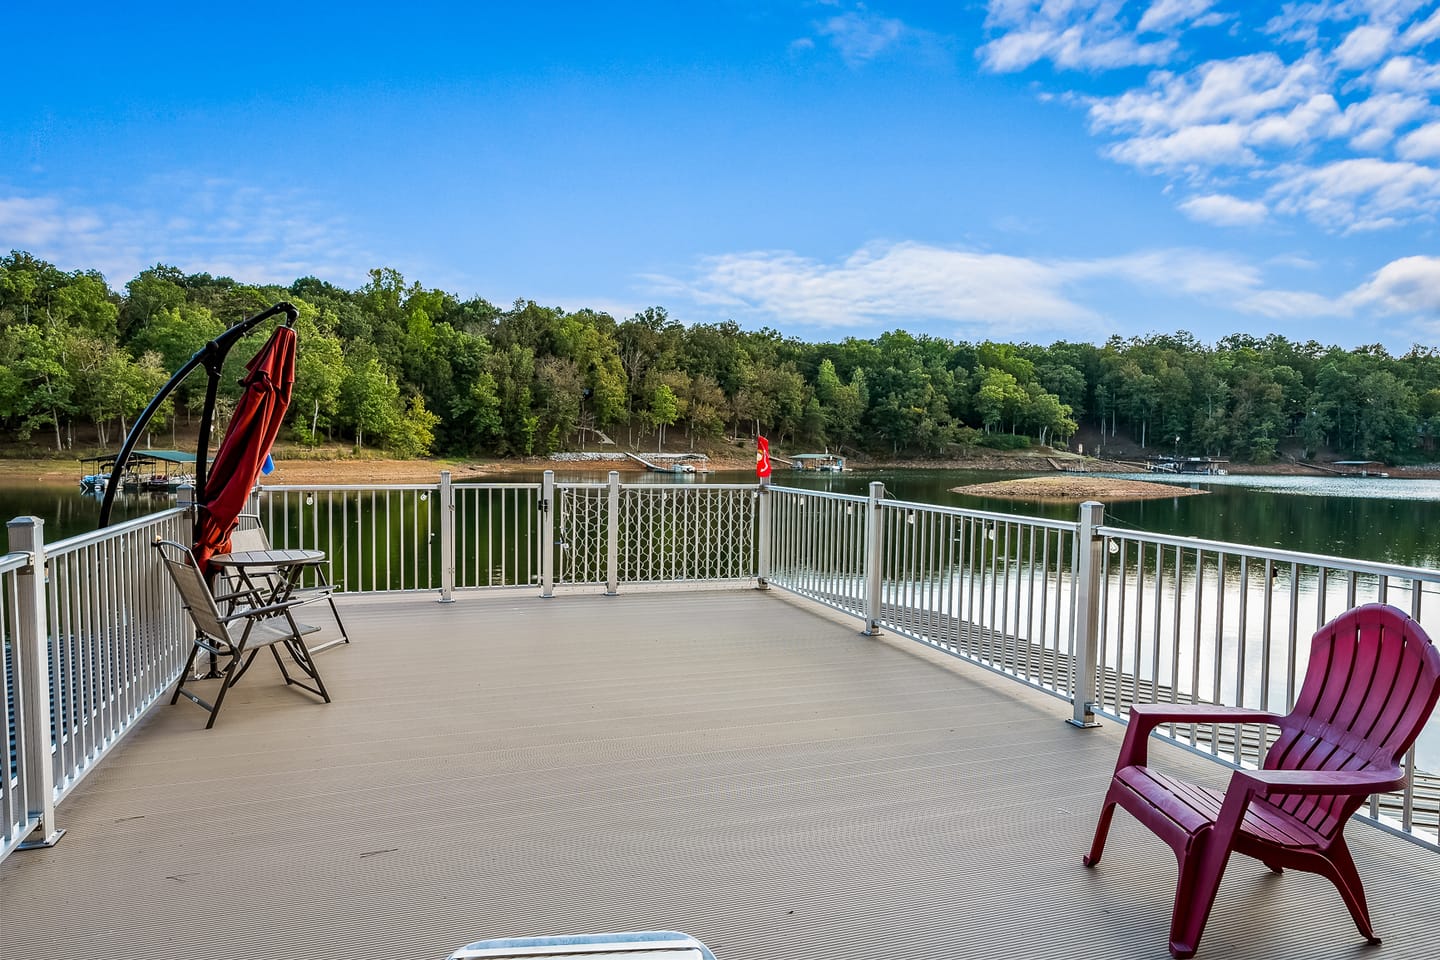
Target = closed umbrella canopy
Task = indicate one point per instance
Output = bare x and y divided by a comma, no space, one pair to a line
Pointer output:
253,427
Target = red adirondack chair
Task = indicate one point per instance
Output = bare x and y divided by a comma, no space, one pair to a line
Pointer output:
1373,679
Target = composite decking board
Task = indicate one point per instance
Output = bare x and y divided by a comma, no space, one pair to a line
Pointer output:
737,765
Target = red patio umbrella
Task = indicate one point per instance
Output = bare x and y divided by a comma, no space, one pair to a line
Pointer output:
256,421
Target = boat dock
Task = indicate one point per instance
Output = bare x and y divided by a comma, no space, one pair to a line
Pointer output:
678,462
776,785
1198,466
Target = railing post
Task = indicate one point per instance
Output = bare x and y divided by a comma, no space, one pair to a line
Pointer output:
612,535
447,538
33,707
547,534
762,572
874,552
1090,549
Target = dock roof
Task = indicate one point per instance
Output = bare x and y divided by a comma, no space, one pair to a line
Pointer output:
141,456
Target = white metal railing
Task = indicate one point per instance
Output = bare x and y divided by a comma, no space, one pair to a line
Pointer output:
376,538
1100,615
1097,615
1193,621
817,546
92,640
497,534
449,536
994,589
18,816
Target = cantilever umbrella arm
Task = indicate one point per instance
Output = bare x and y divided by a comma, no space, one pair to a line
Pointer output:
212,358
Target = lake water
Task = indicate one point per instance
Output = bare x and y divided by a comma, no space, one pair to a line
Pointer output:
1387,520
1384,520
1393,521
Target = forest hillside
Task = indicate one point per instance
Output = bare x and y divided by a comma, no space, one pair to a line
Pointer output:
411,371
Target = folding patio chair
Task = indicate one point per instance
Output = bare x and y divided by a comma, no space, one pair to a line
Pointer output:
249,535
1372,681
238,635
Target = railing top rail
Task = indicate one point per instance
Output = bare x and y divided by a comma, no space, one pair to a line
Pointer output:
1373,567
348,487
487,485
1068,526
685,487
83,540
823,494
13,561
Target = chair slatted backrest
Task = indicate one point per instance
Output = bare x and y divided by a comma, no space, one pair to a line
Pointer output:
196,596
1372,681
247,539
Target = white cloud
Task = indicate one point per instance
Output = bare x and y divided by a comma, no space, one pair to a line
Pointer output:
986,294
1072,34
1422,33
1199,273
1164,15
1420,144
1240,90
216,226
1360,194
1371,123
1408,73
32,223
1224,211
1408,285
1292,305
861,36
886,283
1314,119
994,294
1364,47
1203,146
1297,122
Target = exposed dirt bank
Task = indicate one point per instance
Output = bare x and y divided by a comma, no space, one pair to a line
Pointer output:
1077,488
333,467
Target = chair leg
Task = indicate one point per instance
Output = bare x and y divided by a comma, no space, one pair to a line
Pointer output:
344,635
1202,866
306,661
1339,867
226,682
185,673
1102,830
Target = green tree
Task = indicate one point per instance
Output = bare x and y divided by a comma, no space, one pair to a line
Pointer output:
44,389
663,410
320,372
368,401
414,430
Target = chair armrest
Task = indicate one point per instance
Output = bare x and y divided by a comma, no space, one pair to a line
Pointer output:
1148,716
1290,782
1145,717
251,613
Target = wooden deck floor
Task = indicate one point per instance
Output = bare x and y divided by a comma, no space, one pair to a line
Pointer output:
732,764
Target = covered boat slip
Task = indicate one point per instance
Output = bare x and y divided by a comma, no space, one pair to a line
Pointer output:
145,471
734,764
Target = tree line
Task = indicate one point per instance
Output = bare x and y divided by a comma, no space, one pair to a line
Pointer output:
415,371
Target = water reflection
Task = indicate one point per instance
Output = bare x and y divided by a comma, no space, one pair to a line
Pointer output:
67,512
1386,520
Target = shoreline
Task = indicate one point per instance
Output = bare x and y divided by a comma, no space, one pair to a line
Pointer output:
300,470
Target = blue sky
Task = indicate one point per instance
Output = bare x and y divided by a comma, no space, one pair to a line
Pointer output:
1006,170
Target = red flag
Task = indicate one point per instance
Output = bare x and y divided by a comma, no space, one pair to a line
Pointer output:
762,457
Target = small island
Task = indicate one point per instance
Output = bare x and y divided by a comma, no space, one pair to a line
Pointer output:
1072,488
